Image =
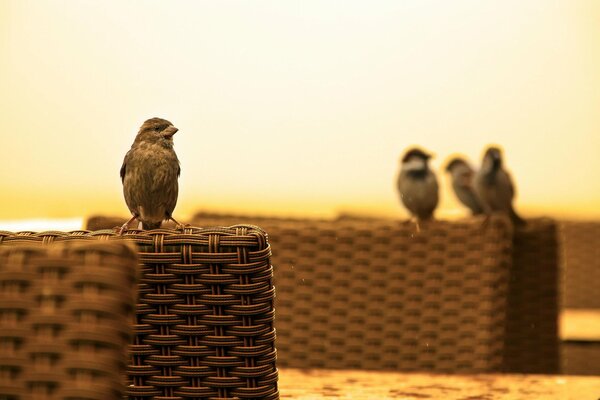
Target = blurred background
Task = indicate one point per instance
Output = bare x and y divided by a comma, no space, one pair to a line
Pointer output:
303,109
295,108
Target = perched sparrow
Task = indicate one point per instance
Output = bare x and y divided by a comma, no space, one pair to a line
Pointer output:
461,174
494,186
149,174
417,185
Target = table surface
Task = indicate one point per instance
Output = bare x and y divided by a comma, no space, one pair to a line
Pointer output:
580,324
317,384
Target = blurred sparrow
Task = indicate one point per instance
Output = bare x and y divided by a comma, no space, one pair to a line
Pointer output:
494,186
417,185
149,175
461,174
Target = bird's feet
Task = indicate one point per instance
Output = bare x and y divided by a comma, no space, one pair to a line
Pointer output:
123,229
179,225
415,221
126,225
486,221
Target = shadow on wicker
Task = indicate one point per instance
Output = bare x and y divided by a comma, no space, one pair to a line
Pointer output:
532,339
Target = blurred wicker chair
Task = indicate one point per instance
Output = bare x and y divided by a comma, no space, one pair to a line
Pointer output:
580,260
204,320
580,268
354,255
65,320
374,294
100,222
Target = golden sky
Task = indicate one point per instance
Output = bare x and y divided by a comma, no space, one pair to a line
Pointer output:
297,107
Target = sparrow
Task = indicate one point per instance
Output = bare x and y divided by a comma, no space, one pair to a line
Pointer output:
494,186
417,184
149,174
462,174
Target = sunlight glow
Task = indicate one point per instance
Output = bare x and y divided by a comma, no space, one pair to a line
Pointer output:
297,107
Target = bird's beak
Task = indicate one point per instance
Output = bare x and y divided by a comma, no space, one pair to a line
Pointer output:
170,131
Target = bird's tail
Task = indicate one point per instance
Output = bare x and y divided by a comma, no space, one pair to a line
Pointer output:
151,225
516,219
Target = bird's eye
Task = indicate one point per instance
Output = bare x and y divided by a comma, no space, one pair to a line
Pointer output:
157,128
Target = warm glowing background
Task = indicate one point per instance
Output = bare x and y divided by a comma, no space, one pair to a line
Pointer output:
297,107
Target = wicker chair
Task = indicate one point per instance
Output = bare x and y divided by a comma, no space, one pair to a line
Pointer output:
62,306
580,268
375,294
580,260
204,319
316,250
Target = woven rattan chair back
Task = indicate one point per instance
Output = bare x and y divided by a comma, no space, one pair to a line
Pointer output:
65,320
377,294
347,273
580,261
204,319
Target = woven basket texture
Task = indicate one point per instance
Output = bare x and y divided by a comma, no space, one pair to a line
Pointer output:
580,260
532,340
65,320
377,294
204,318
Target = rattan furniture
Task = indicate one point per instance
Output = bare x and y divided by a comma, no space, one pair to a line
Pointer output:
580,260
65,319
377,294
323,266
204,319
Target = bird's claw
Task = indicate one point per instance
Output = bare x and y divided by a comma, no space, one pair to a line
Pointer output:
126,225
182,227
122,229
179,225
415,221
486,222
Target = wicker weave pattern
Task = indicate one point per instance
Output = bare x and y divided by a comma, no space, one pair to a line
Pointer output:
377,295
581,263
531,323
204,326
65,320
532,342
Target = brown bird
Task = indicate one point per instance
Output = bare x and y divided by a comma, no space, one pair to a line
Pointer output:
494,186
462,182
417,185
149,175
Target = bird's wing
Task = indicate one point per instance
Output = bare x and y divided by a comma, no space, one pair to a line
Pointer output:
500,194
465,179
178,170
472,201
123,171
511,186
124,166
